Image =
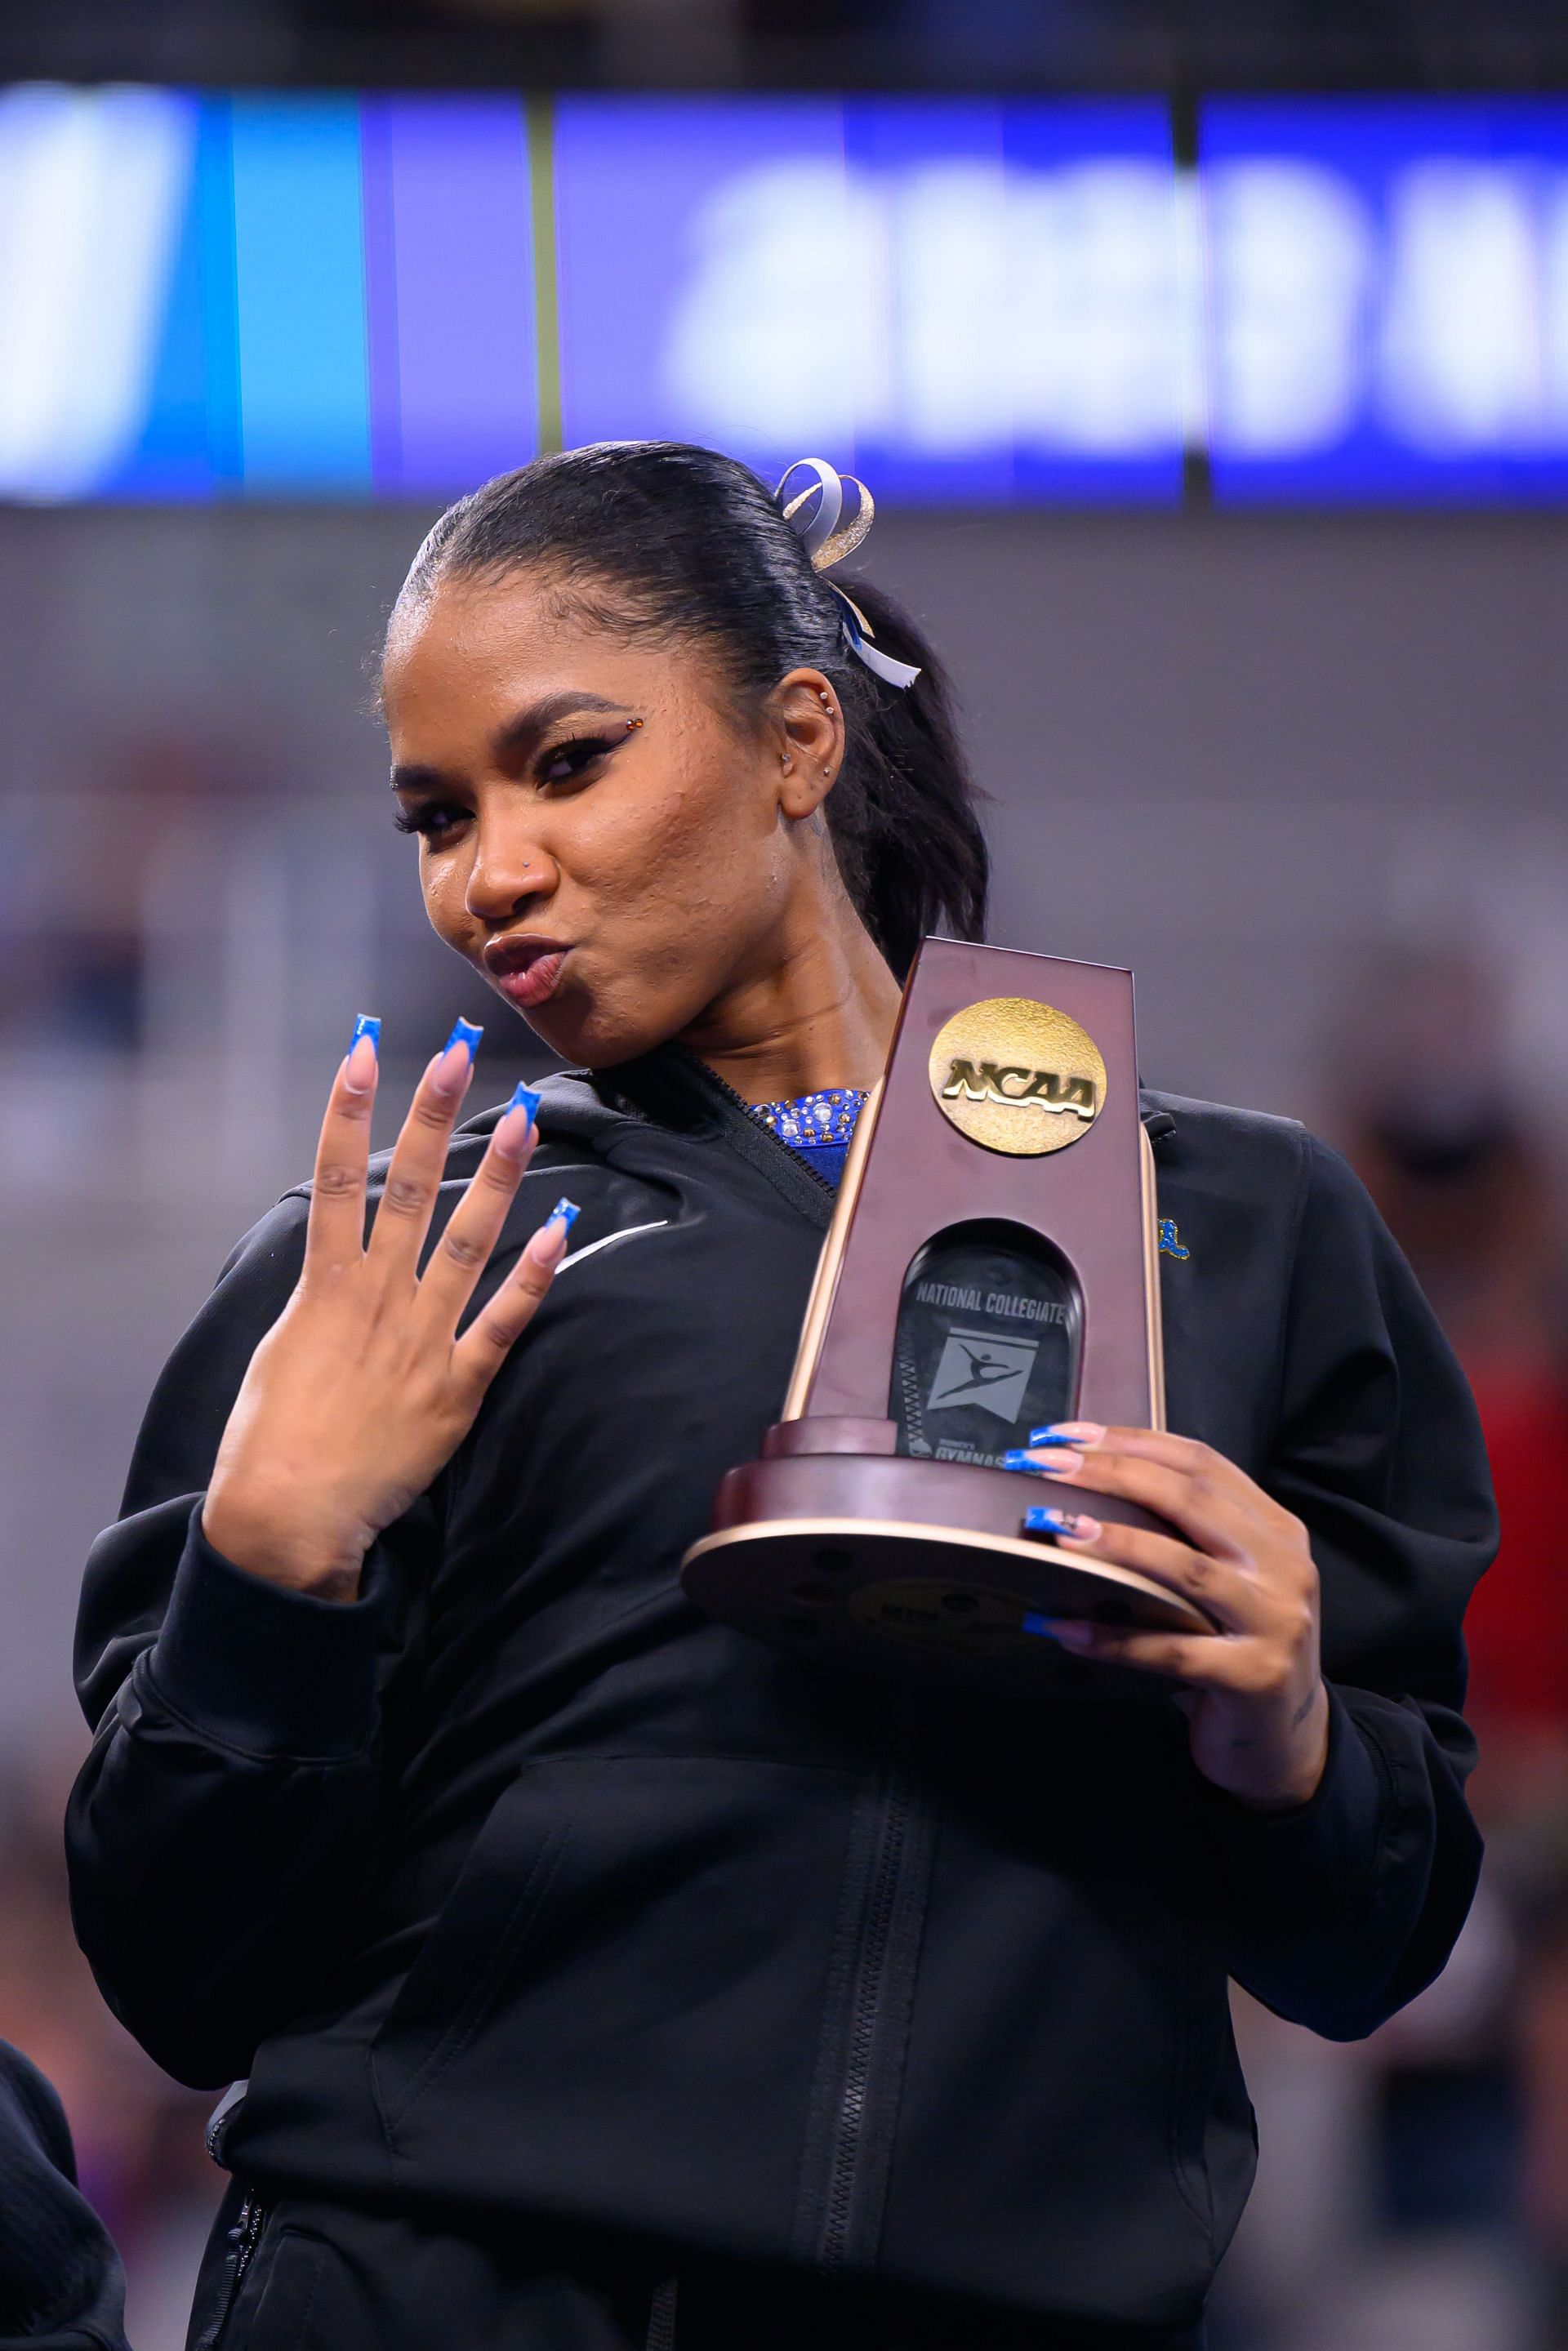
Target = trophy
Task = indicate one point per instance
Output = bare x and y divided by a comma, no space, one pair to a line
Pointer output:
991,1265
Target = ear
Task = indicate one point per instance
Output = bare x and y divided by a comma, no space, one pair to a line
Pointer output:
806,725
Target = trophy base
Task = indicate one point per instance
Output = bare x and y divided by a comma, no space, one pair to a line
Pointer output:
950,1605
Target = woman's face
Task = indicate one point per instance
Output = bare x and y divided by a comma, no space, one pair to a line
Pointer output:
598,834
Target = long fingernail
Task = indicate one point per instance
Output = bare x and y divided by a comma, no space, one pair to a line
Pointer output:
455,1065
1040,1518
1067,1432
1074,1634
360,1075
1034,1465
1070,1631
517,1124
548,1244
1060,1464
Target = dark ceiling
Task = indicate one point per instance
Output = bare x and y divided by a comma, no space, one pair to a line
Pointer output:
1185,45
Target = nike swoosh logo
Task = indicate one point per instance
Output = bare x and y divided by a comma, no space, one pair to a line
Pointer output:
629,1233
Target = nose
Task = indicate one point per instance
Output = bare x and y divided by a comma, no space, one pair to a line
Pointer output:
510,871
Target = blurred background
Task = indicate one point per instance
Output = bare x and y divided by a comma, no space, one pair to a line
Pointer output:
1209,362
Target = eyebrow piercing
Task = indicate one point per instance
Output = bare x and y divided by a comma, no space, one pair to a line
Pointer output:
631,724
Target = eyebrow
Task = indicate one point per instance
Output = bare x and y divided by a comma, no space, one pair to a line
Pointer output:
517,735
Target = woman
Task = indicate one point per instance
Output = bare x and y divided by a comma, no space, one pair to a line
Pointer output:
600,1978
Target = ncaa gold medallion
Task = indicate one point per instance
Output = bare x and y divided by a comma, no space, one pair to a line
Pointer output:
1018,1076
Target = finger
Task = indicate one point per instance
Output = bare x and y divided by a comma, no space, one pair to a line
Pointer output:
1204,1661
1215,1586
462,1253
485,1345
1185,1456
1152,1444
419,1158
1205,1510
1184,1453
335,1229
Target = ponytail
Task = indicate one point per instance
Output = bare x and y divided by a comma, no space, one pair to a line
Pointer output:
903,813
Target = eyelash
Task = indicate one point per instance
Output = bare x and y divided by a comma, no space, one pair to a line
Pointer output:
430,819
580,751
584,748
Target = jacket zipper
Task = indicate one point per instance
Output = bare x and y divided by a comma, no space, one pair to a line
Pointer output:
758,1126
856,2089
663,2316
245,2236
865,2015
247,2231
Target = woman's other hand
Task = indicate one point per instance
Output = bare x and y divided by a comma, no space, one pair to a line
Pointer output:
363,1390
1254,1691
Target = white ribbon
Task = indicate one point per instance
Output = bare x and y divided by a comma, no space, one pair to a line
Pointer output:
828,540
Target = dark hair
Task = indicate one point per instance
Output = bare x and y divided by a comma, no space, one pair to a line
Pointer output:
659,534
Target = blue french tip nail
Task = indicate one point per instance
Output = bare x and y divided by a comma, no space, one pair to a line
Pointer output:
566,1211
1040,1519
466,1032
525,1099
1054,1432
367,1025
1017,1459
1044,1627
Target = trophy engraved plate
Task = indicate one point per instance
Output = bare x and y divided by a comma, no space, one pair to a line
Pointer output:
991,1265
989,1334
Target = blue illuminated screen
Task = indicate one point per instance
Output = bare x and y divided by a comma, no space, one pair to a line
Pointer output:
1387,299
293,295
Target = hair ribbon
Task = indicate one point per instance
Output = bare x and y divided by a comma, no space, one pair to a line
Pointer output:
815,515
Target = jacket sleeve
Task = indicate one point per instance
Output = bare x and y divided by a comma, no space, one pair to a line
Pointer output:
223,1831
1342,1911
61,2286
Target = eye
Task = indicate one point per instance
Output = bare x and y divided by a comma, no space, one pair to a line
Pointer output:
433,820
577,761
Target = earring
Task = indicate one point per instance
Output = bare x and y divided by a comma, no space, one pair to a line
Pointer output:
825,699
785,761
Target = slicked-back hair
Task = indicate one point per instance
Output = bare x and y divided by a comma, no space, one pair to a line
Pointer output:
662,537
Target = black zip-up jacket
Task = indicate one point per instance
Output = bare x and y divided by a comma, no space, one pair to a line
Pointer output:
61,2285
516,1886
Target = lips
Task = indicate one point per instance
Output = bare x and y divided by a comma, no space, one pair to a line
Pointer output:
526,969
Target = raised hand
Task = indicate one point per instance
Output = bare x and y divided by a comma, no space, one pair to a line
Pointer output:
363,1390
1254,1691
